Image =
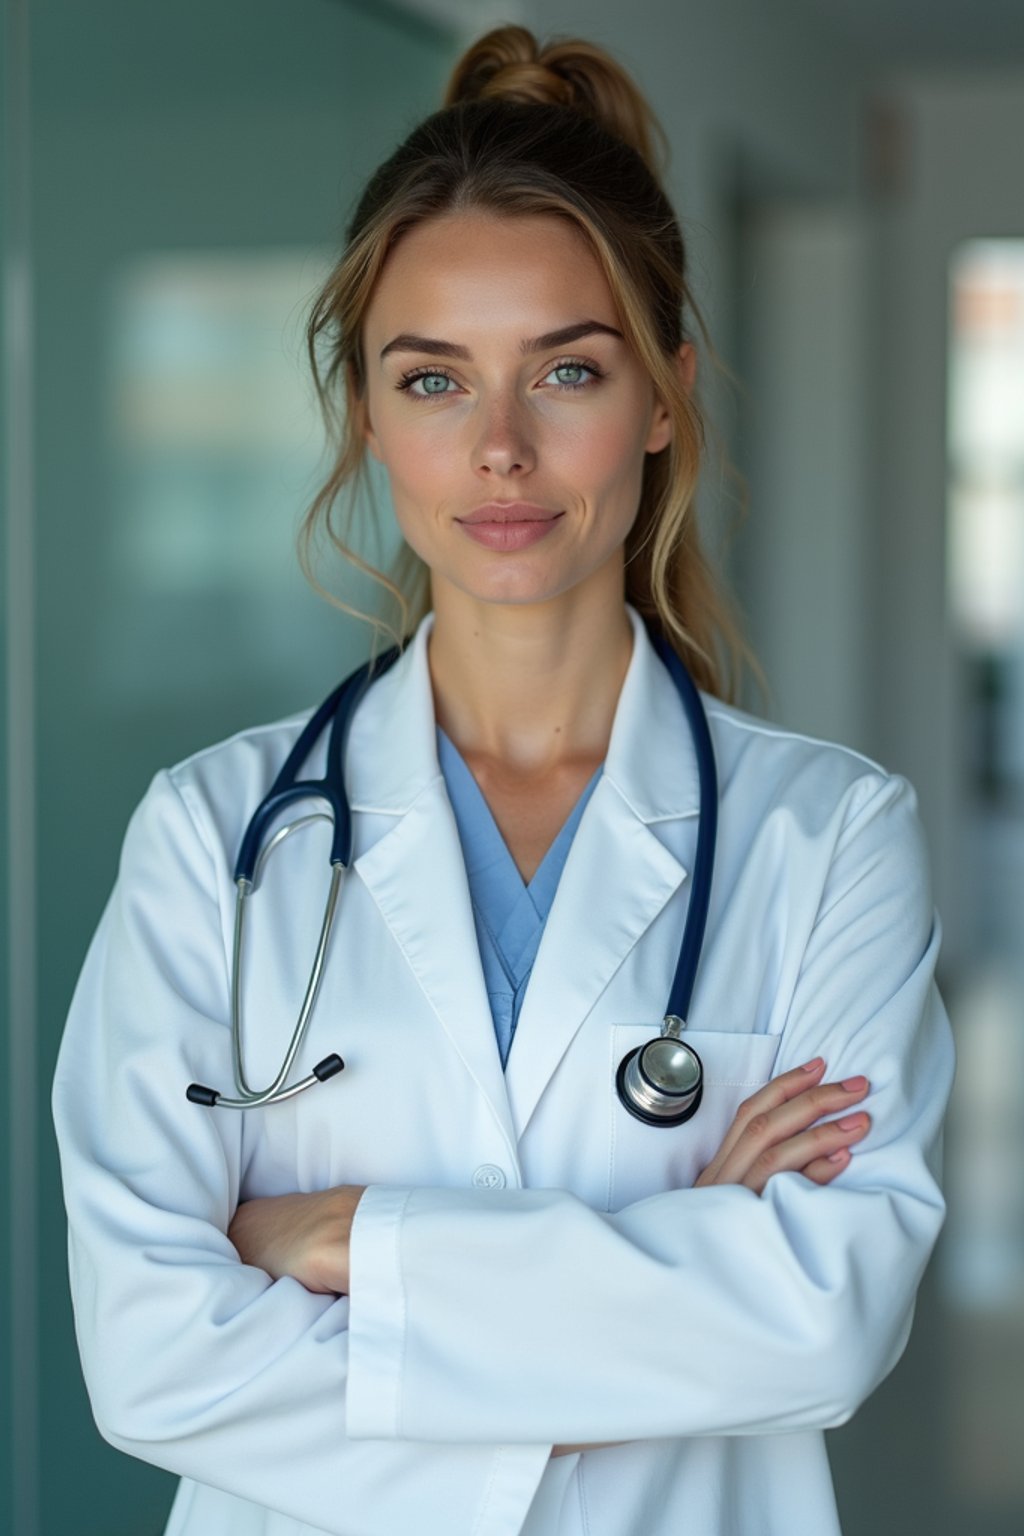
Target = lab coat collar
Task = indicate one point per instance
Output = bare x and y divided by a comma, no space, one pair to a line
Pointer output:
651,758
392,753
617,878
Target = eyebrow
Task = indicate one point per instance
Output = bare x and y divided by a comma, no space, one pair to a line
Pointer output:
408,342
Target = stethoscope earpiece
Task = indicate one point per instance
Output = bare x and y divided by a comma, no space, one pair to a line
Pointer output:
661,1083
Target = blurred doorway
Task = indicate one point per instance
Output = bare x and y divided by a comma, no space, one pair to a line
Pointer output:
982,1268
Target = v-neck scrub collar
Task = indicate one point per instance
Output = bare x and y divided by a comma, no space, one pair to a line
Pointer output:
509,913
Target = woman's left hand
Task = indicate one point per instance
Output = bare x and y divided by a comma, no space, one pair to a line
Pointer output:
305,1236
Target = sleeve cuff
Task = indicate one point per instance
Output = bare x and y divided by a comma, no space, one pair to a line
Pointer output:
376,1315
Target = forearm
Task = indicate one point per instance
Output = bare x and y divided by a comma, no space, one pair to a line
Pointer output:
709,1311
306,1237
206,1368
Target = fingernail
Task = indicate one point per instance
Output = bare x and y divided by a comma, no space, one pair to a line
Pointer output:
809,1066
854,1083
852,1122
840,1156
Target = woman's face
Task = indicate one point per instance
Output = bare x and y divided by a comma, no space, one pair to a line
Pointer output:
499,384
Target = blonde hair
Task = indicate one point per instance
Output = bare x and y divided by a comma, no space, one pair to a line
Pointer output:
530,129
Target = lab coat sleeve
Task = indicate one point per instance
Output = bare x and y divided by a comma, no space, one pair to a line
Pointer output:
193,1360
711,1311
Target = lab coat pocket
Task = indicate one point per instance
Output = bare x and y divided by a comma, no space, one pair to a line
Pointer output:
649,1159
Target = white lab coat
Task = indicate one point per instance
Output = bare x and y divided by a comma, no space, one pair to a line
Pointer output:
529,1265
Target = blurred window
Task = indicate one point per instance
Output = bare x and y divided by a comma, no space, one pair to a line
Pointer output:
215,446
983,1250
986,498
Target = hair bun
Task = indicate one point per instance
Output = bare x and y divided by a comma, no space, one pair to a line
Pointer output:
509,62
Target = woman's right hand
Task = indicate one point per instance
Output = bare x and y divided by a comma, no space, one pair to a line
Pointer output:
775,1130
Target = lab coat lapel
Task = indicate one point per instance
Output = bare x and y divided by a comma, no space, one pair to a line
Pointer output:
616,880
618,876
415,871
417,876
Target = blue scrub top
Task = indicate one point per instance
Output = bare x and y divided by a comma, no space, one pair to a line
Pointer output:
509,914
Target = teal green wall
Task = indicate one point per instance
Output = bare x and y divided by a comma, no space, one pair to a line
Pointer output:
209,125
18,1377
5,1158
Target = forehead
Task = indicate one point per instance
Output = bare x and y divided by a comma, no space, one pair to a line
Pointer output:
476,270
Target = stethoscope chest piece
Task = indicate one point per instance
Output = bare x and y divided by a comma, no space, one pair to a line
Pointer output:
662,1081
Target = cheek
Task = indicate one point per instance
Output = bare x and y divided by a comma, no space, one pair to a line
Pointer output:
420,467
598,454
610,459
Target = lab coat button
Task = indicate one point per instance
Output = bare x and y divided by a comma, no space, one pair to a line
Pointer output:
489,1176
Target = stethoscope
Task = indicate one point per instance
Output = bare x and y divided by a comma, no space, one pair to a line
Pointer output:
660,1082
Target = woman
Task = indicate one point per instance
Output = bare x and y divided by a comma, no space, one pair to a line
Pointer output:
461,1287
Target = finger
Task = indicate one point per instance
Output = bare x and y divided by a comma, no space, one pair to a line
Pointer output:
799,1152
775,1092
780,1109
772,1127
824,1169
769,1145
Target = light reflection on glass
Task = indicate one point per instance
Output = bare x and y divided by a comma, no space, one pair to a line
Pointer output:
986,442
981,1269
215,450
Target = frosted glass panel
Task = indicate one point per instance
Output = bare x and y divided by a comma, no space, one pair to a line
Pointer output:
982,1255
215,448
986,443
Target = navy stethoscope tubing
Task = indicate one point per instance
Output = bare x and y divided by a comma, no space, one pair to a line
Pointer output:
707,833
338,708
660,1082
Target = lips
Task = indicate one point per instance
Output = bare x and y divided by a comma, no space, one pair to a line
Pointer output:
510,512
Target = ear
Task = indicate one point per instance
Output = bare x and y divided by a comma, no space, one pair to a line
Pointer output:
686,362
661,422
359,412
370,436
660,432
364,426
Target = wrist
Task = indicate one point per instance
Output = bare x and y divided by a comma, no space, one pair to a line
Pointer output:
337,1230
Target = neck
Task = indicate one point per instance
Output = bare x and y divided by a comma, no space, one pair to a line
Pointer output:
529,687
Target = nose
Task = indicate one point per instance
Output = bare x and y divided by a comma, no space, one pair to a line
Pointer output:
504,444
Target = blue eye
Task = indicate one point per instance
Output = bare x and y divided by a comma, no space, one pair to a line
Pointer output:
574,372
436,380
430,377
